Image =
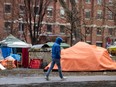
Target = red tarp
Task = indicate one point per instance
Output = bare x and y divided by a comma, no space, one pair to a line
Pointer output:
85,57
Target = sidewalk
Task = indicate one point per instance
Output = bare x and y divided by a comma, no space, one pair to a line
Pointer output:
41,79
35,78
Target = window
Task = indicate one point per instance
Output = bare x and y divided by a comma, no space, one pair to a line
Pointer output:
89,42
88,1
87,30
49,11
62,29
21,9
99,2
36,10
21,26
99,31
7,8
87,13
7,25
110,15
99,14
76,1
110,31
99,44
49,28
110,2
62,12
34,26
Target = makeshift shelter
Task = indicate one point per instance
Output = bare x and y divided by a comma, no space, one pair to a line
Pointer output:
63,45
13,42
47,46
112,49
85,57
40,47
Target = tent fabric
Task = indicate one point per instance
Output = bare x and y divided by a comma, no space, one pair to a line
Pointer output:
85,57
63,45
12,41
112,47
38,46
6,64
16,56
6,51
2,67
1,56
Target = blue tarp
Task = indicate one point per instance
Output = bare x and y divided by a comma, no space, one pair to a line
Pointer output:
16,56
6,51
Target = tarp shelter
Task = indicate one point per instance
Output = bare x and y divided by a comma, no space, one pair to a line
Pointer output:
47,46
112,49
85,57
40,47
37,46
13,42
63,45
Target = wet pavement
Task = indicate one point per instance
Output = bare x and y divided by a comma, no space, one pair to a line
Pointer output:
35,78
74,81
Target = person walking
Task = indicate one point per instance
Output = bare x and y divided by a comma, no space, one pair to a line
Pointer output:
56,51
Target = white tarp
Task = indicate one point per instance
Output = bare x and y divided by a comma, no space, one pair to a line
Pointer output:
2,67
12,41
1,57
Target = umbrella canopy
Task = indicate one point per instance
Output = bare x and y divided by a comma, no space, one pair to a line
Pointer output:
12,41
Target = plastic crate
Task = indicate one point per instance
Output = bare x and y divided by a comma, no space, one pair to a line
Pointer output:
35,63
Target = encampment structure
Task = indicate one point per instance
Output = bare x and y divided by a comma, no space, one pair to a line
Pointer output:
85,57
11,42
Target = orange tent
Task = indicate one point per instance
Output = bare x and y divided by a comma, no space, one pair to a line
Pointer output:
85,57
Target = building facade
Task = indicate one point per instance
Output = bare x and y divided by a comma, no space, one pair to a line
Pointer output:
97,21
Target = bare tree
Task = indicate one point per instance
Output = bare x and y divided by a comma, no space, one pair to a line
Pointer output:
112,7
34,13
114,10
73,17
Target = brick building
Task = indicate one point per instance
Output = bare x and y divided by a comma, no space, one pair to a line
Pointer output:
97,21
